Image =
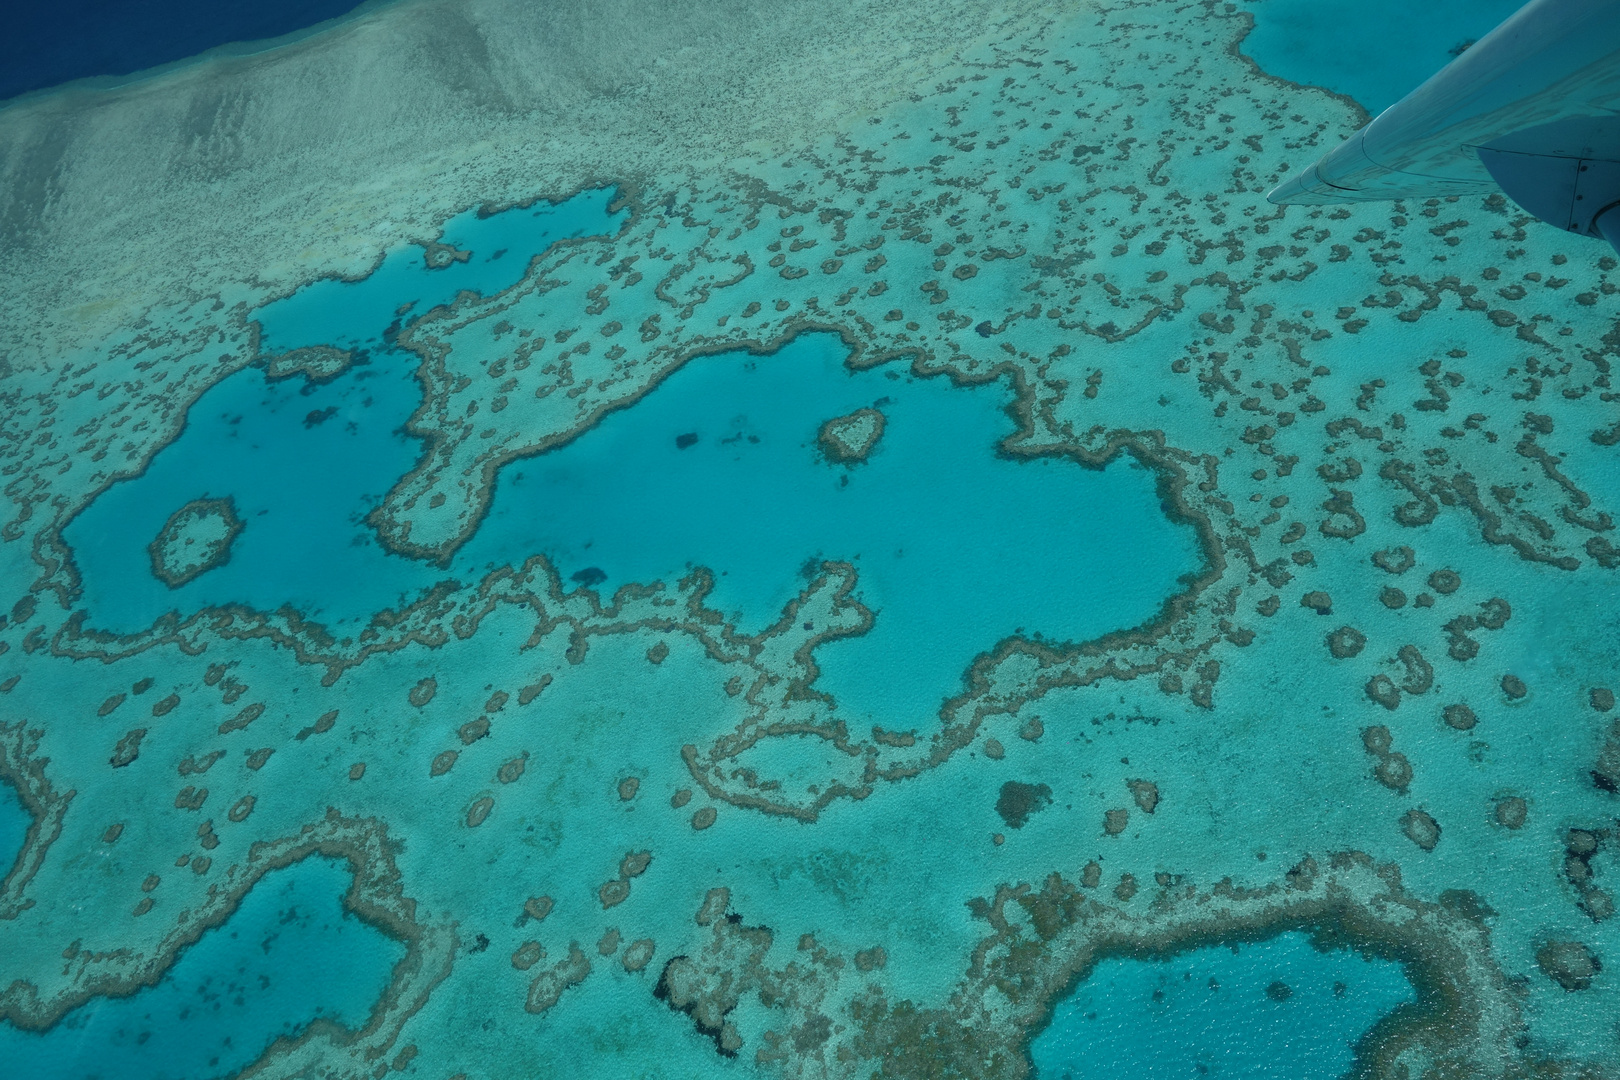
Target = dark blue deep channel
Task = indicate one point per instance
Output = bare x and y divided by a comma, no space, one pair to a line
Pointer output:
1374,51
43,44
287,956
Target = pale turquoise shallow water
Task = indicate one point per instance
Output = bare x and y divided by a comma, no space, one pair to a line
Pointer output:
1278,1009
288,955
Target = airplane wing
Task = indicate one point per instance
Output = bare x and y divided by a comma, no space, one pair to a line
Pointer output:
1532,109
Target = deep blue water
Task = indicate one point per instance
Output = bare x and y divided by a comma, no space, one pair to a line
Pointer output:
14,823
1375,51
956,546
1208,1013
43,44
288,955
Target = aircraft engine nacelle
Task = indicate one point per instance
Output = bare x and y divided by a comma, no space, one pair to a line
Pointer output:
1532,109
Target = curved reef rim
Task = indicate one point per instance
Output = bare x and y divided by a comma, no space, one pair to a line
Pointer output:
375,897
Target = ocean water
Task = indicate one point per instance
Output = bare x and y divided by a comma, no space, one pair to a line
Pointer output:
289,955
47,44
1346,45
1278,1009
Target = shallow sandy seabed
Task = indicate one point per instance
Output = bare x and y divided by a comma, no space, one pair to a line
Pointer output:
1391,427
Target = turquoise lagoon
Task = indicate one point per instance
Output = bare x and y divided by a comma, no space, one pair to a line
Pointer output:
958,545
1278,1009
290,954
1344,45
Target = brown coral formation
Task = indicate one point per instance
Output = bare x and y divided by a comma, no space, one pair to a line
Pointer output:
1459,717
617,891
1419,673
638,954
1396,560
423,692
127,749
441,256
197,538
1017,801
1605,772
1421,829
1580,847
1511,812
547,988
709,985
317,363
512,771
1346,642
1382,689
1391,769
1570,964
1494,614
527,955
849,439
1445,582
1318,601
1145,793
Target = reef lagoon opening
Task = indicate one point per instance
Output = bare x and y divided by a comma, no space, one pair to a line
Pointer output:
288,956
1344,45
1280,1008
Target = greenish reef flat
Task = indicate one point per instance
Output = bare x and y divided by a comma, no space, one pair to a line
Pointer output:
631,822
